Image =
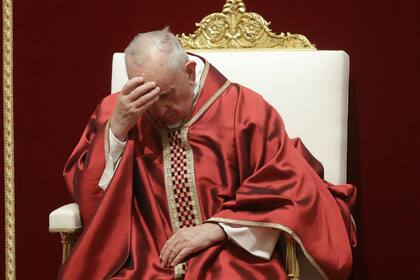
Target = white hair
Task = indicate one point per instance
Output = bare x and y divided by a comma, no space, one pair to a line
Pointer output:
141,47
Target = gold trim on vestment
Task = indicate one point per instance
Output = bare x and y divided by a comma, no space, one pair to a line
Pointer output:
202,80
276,226
106,141
208,103
168,182
191,179
169,187
8,142
179,271
191,176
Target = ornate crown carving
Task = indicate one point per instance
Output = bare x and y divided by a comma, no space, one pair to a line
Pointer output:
235,28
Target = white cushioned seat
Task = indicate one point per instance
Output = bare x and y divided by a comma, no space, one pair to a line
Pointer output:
65,219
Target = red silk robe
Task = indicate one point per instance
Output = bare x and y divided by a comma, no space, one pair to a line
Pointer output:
238,166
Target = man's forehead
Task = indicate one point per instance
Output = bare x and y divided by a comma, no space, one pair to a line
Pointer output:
165,83
164,78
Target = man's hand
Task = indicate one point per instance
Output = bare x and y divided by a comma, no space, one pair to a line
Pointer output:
190,240
135,98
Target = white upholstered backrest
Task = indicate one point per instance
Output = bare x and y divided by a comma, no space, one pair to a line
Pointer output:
308,88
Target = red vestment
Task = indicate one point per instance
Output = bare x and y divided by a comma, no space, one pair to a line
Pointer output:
239,167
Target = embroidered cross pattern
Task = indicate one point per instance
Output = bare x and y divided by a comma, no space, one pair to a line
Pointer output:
180,184
181,187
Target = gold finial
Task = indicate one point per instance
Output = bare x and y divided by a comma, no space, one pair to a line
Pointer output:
235,28
232,5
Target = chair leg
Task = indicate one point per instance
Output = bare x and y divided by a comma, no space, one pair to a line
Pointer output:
292,264
67,240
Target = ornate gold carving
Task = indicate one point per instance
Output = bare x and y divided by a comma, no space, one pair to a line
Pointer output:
235,28
8,140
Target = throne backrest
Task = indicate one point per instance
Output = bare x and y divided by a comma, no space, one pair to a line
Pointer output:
309,89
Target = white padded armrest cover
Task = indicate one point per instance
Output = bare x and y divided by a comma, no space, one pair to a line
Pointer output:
308,88
65,219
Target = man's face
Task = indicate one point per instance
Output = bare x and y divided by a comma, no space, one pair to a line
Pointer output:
176,90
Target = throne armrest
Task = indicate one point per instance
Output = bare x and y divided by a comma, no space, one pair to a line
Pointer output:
65,219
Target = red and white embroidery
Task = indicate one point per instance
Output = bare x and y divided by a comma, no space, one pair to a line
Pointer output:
180,185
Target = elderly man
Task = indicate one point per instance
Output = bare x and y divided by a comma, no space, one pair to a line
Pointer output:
184,174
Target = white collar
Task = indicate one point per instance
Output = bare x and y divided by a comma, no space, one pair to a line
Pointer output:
199,67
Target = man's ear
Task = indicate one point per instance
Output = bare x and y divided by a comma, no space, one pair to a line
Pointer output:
190,70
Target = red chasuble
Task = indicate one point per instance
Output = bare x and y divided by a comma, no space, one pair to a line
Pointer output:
231,162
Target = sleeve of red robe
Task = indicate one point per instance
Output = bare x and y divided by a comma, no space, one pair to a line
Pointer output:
100,211
86,164
279,189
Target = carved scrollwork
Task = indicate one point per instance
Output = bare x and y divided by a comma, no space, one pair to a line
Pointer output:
236,28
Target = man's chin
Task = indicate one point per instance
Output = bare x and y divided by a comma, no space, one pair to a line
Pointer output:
171,122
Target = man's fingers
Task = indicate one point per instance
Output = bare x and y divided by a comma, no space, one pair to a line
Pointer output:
146,106
152,95
166,255
131,85
167,249
141,90
181,256
167,243
175,251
